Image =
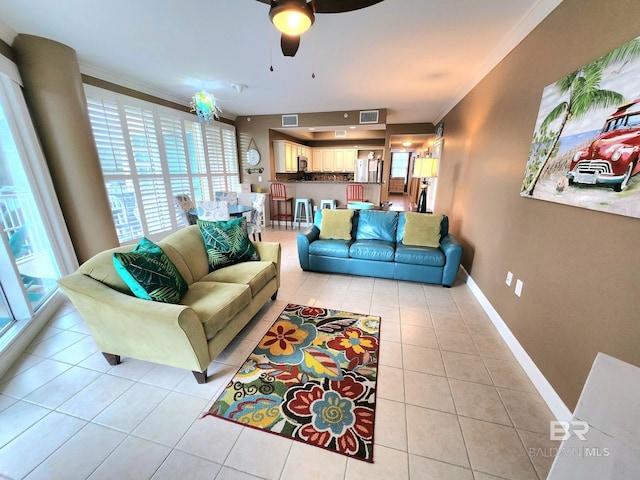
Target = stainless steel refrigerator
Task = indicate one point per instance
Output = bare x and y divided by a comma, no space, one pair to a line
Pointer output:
368,170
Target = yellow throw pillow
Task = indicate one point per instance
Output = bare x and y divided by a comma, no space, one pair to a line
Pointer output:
422,229
336,224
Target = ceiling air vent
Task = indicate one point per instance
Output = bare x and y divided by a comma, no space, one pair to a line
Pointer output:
341,133
289,120
369,116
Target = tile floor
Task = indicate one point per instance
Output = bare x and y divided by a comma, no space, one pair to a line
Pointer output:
452,402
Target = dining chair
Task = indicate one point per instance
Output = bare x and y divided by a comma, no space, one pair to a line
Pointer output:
257,215
355,192
186,208
230,197
278,191
213,210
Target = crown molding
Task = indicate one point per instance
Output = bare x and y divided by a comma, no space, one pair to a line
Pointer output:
536,14
101,74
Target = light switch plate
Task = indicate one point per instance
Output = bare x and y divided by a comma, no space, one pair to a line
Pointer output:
509,279
519,285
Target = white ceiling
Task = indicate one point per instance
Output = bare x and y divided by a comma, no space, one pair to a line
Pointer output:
416,58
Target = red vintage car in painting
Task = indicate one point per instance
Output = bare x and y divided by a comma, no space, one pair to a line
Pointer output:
612,157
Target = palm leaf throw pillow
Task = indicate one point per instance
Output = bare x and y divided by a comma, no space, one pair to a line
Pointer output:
150,274
227,242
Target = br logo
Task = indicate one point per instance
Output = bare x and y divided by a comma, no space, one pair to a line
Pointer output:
560,430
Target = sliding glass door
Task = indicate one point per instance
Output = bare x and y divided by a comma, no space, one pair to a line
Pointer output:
28,266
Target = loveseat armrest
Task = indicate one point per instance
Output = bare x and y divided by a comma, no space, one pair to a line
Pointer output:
304,239
453,254
121,324
270,252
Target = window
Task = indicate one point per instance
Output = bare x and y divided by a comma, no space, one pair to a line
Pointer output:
32,252
150,153
399,164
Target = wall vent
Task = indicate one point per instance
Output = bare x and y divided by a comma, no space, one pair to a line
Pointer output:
290,120
341,133
369,116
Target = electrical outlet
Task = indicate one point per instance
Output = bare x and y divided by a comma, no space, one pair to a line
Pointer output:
519,285
260,178
509,279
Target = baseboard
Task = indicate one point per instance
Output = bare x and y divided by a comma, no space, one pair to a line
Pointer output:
542,385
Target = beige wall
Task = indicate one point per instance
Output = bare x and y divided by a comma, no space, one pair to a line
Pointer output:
581,268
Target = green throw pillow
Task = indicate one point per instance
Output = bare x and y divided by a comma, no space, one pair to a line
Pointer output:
227,242
422,229
336,224
150,274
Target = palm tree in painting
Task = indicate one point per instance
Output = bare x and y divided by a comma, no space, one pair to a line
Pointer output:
582,92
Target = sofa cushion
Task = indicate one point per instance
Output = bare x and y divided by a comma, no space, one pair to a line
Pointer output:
336,225
429,256
377,225
379,250
216,303
227,242
422,229
149,273
402,220
254,274
330,248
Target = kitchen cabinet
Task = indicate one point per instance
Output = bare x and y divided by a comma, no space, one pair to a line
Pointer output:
286,156
333,160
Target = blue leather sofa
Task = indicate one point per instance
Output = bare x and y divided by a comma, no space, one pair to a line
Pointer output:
376,250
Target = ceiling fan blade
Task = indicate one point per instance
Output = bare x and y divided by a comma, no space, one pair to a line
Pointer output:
289,44
340,6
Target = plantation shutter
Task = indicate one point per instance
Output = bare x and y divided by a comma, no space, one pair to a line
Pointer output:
150,153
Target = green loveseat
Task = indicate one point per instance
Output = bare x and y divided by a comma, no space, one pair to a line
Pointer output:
187,335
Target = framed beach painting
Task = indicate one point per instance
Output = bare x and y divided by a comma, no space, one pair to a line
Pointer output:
586,144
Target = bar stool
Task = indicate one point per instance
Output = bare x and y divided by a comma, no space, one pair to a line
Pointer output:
278,192
303,204
328,204
355,192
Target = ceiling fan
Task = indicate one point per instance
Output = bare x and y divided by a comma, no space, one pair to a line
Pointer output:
294,17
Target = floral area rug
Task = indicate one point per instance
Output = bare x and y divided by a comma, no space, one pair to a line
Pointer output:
311,378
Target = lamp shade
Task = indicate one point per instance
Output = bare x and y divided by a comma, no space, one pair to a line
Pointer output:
425,167
292,17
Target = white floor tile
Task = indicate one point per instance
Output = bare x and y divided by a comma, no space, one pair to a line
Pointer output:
211,438
84,451
52,394
180,465
169,421
387,464
33,378
27,451
17,418
135,458
306,461
94,398
259,453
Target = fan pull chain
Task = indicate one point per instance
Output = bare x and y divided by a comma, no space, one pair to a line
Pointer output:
313,52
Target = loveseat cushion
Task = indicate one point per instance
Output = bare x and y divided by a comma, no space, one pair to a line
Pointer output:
216,303
372,250
377,225
227,242
330,248
254,274
430,256
149,273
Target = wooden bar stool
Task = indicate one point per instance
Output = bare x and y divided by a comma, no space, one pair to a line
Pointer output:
278,192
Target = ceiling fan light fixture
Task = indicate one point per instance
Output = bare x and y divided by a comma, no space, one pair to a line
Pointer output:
292,17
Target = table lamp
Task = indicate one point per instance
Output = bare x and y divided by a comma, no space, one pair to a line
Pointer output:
425,168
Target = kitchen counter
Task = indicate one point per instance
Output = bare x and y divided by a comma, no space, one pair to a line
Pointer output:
329,190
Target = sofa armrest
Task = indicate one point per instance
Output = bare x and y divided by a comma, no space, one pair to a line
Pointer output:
124,325
453,253
270,252
304,239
